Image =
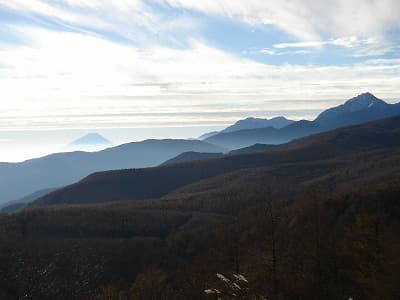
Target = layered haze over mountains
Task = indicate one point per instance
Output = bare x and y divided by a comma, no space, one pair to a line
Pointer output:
363,108
22,145
20,179
244,136
170,178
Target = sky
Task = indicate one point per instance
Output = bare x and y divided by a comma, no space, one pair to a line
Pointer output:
179,67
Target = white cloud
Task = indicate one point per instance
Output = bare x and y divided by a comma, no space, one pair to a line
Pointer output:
63,75
133,20
267,51
308,19
346,42
358,47
277,52
68,74
42,8
311,44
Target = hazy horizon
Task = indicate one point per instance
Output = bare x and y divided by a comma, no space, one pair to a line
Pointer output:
22,144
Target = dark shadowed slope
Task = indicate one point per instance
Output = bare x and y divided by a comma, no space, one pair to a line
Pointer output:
253,149
20,179
156,182
190,156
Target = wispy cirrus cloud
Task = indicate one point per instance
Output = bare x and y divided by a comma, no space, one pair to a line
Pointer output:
349,42
307,19
134,21
358,47
71,71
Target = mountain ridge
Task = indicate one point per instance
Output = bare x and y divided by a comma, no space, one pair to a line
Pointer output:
253,123
357,110
360,109
59,169
266,135
155,182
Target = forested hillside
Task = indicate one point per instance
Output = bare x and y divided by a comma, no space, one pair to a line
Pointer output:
310,245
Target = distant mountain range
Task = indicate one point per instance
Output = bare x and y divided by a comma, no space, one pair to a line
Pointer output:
266,135
20,179
251,123
17,205
149,183
363,108
207,135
